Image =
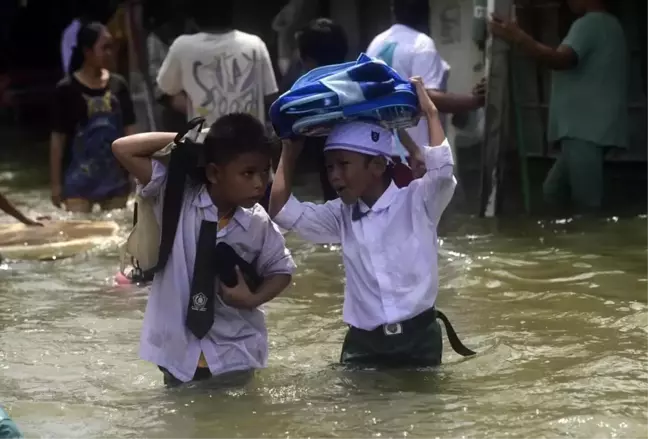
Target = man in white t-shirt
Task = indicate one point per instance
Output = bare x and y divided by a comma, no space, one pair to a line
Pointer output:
408,50
220,70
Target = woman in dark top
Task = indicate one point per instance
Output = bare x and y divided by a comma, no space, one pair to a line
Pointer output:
92,108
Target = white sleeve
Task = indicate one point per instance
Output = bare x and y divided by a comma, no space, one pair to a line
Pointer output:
436,188
169,77
267,72
428,64
318,223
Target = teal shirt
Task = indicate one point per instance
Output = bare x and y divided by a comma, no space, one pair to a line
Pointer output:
590,101
8,429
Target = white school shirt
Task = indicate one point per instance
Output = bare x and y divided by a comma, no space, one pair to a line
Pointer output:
221,74
238,339
389,255
412,53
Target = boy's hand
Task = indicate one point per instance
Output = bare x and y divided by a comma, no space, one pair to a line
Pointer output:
239,296
425,103
417,164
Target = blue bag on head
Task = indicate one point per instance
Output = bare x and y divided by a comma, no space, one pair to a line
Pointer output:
366,89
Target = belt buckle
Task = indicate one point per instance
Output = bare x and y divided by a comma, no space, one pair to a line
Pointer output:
392,328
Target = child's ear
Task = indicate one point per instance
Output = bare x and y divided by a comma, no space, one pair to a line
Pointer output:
212,172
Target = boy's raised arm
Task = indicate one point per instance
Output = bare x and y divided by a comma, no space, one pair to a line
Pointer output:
134,152
318,223
283,181
437,186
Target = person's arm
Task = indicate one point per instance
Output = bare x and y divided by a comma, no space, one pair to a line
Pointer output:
134,153
436,188
428,64
318,223
7,207
127,107
169,78
270,288
57,148
274,264
62,112
455,103
576,44
561,58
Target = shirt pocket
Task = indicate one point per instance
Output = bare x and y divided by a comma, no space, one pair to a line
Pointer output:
406,263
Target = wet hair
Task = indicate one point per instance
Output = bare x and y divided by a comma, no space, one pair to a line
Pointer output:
87,37
411,13
212,13
233,135
323,41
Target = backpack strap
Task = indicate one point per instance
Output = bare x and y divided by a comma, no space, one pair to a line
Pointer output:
173,196
181,162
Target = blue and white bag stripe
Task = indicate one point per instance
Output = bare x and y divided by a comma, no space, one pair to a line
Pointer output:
366,89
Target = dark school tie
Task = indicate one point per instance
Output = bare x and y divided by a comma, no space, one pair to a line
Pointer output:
200,312
357,214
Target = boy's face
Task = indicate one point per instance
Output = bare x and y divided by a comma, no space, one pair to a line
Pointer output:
242,181
101,55
353,175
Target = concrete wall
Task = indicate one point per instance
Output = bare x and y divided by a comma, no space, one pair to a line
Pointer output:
451,24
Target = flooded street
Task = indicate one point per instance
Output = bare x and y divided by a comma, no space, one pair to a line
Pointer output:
557,311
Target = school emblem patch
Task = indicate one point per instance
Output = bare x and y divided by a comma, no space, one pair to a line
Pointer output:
199,302
375,136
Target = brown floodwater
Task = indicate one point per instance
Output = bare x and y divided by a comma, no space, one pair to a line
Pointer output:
556,309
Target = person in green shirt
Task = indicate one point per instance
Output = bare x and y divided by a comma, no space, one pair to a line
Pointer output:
588,108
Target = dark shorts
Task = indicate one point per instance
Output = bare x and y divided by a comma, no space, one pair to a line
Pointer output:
415,342
202,373
230,379
412,343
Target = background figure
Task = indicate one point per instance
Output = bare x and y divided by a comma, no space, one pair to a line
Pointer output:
69,36
322,42
588,107
92,107
162,33
286,22
7,207
220,69
8,428
411,52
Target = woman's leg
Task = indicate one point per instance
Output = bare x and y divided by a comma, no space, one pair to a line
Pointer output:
585,162
78,205
118,202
